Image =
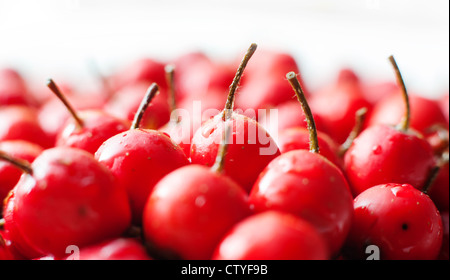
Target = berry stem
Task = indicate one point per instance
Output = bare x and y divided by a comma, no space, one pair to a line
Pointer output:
311,125
170,78
404,124
237,78
149,95
223,148
19,163
54,88
360,116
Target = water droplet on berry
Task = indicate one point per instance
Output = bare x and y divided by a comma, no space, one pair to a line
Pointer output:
200,201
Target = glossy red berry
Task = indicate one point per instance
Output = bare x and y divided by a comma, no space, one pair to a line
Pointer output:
13,89
337,105
311,187
124,104
289,115
67,198
306,184
272,235
425,112
97,127
120,248
144,70
86,129
298,139
400,220
190,210
20,122
252,147
383,154
53,114
139,158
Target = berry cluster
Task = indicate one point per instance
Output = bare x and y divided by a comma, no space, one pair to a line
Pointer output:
192,159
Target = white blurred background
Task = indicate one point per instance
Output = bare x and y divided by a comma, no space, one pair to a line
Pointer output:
56,38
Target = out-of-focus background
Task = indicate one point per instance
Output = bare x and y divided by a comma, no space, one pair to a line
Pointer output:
57,38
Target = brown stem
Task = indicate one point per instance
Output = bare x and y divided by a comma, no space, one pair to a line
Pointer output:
54,88
223,148
149,95
404,124
24,165
360,116
237,78
311,125
170,78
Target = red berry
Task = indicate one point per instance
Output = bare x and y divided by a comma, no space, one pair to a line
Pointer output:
289,116
298,138
139,158
251,150
400,220
87,129
68,199
386,154
145,70
124,104
265,76
425,112
272,235
190,210
382,154
252,147
21,123
53,114
97,127
306,184
311,187
119,248
13,89
187,117
337,105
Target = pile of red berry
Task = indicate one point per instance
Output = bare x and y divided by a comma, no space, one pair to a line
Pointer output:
192,159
